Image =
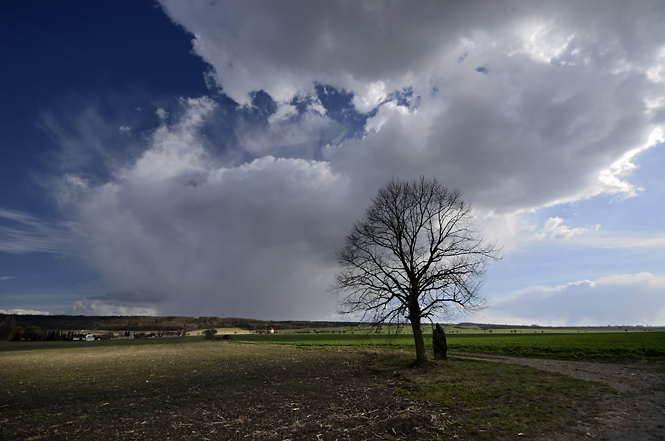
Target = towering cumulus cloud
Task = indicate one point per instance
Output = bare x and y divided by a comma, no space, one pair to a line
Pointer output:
176,232
520,105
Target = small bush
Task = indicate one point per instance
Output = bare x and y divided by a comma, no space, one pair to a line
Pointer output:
209,333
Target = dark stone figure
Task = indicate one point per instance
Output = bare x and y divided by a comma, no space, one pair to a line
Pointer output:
439,343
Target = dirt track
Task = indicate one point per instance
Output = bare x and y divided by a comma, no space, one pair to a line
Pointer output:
641,411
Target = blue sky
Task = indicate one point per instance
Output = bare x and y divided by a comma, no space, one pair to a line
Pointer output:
207,158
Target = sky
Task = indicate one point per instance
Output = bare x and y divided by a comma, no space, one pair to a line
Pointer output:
207,158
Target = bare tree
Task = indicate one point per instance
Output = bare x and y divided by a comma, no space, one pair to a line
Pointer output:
413,255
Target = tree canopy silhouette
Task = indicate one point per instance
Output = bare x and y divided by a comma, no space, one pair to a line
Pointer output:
413,255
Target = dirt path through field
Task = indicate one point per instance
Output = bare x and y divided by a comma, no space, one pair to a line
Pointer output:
641,413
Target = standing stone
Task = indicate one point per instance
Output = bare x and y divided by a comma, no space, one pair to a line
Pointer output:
439,343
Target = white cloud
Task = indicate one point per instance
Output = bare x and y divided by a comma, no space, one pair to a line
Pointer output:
656,72
623,239
176,152
612,300
385,114
504,229
23,312
514,233
100,307
370,96
288,133
22,233
283,113
541,40
162,114
610,179
554,228
562,103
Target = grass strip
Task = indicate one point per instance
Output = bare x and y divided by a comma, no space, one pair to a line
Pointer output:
492,401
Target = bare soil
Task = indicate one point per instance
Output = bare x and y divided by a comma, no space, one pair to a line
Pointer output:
293,394
296,395
639,410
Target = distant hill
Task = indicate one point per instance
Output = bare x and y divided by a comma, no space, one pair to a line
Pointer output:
151,323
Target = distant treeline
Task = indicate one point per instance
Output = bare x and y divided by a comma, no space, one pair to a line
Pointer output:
151,323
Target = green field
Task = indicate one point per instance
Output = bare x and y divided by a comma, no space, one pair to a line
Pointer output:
565,345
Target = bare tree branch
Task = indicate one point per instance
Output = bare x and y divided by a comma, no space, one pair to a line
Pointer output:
413,255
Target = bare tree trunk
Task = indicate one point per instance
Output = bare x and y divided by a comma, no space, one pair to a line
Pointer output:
421,354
